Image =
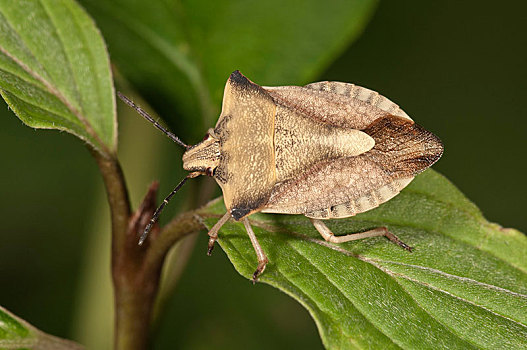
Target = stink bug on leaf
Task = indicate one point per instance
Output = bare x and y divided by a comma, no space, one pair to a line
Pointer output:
326,150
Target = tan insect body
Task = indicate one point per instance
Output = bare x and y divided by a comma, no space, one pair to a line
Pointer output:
325,150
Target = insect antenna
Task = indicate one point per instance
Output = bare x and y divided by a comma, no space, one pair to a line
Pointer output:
161,207
147,116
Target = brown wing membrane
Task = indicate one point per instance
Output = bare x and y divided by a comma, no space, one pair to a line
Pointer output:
402,150
402,147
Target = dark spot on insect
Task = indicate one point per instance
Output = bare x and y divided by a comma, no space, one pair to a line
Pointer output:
220,175
332,208
222,130
206,137
238,213
209,171
239,81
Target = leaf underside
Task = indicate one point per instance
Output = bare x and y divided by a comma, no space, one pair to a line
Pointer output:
54,70
464,286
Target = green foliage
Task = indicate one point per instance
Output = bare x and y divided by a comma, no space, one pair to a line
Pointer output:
464,286
184,51
18,334
54,70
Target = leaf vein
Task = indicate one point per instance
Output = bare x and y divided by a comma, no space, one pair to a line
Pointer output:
450,276
442,233
69,67
56,127
37,87
428,285
337,326
92,63
338,289
448,327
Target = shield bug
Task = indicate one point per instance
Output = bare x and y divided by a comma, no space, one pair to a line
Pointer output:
326,150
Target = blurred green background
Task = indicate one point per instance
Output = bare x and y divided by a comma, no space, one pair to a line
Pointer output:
458,68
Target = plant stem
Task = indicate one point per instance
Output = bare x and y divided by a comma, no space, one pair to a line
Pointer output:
120,210
117,199
136,269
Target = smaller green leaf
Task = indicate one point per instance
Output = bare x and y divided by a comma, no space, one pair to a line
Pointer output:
16,333
55,72
463,287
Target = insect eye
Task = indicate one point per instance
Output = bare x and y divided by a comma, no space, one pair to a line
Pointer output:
209,172
206,137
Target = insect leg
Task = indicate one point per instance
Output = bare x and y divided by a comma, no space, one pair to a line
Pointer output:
262,259
379,231
213,233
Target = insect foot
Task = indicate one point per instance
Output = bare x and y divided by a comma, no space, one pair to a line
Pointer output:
396,239
259,270
260,254
213,233
211,246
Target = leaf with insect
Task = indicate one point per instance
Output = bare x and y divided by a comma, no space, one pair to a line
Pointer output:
464,286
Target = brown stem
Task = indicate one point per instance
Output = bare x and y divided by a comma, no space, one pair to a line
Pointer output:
117,198
136,269
119,202
134,291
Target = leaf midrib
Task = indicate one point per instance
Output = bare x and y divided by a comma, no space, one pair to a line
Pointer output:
37,87
378,264
450,328
55,127
349,253
68,58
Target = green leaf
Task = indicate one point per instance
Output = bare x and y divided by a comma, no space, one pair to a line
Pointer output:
54,70
464,286
185,50
16,333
